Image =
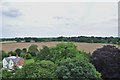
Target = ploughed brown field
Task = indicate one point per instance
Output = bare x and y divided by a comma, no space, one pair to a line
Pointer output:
87,47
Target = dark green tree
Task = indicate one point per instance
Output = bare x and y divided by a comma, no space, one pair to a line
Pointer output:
76,69
44,54
12,53
3,54
18,51
33,49
43,69
24,50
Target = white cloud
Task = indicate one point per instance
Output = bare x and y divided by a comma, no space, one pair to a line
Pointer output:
54,19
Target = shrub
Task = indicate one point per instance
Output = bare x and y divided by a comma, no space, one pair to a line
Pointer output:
107,61
44,54
23,55
33,50
7,74
3,54
28,56
24,50
12,53
18,51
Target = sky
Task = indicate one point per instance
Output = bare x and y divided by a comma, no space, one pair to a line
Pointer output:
53,19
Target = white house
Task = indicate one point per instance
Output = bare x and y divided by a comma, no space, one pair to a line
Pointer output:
5,63
10,62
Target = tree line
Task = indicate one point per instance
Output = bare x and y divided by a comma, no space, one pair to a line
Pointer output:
92,39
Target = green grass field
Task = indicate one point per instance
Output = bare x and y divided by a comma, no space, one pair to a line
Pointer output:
29,61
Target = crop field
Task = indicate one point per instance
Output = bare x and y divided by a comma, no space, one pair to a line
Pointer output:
87,47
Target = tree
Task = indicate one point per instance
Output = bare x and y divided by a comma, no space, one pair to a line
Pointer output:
12,53
44,54
76,69
63,51
42,69
28,56
3,54
7,74
24,50
107,61
18,39
33,49
18,51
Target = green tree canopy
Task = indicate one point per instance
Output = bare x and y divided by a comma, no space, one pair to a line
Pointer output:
3,54
42,69
44,54
24,50
63,51
76,69
33,49
18,51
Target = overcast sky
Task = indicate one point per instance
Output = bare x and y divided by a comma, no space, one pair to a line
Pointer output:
52,19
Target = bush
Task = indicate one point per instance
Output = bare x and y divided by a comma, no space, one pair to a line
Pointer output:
33,50
24,50
23,55
107,61
12,53
76,69
3,54
44,54
7,74
28,56
18,51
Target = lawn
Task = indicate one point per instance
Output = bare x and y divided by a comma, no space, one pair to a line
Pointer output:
29,61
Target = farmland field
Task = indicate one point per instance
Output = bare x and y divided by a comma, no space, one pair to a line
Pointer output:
87,47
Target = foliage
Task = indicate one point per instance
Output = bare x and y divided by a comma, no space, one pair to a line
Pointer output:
76,69
107,61
42,69
44,54
6,74
3,54
63,51
33,49
62,61
92,39
18,51
23,55
29,61
12,53
24,50
26,55
83,56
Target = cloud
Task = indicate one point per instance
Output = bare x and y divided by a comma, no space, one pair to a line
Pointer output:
60,18
54,19
13,13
